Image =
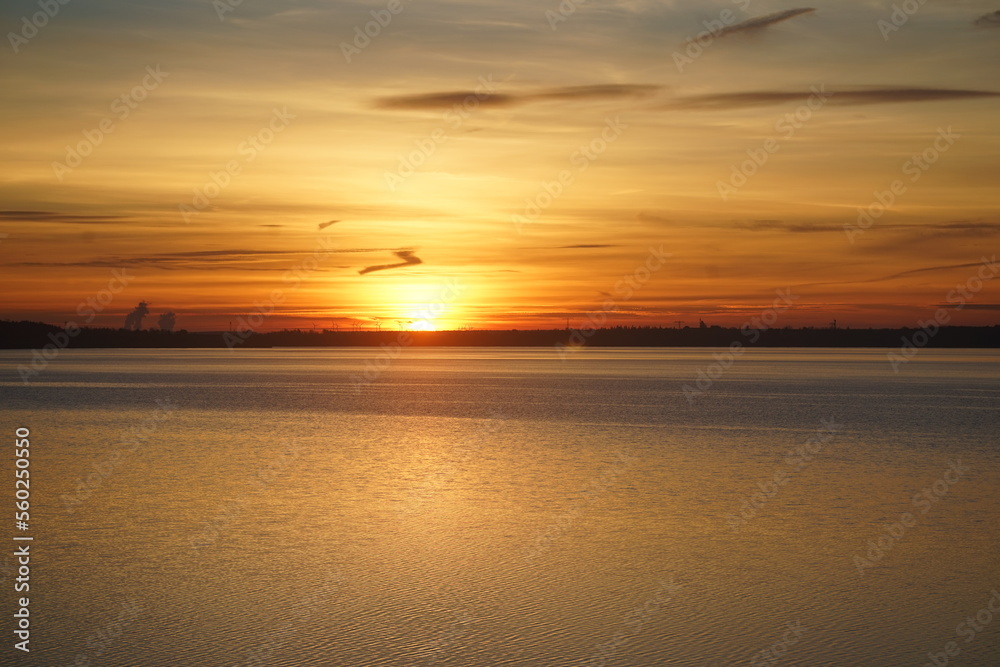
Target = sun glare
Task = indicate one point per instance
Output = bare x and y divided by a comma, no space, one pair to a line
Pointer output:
419,306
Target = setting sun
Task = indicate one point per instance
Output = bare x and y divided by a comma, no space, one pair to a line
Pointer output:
422,325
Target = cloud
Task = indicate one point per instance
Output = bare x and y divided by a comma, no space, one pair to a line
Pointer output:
894,276
167,321
793,227
133,320
991,20
202,260
927,269
602,91
759,22
584,245
961,227
63,218
437,101
405,255
855,96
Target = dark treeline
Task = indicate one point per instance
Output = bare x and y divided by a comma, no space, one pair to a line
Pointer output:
36,335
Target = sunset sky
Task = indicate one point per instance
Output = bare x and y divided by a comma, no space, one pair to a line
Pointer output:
641,126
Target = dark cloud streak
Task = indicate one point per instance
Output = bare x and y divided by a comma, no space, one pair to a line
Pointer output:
894,276
437,101
991,20
200,260
759,22
406,255
857,96
962,226
61,218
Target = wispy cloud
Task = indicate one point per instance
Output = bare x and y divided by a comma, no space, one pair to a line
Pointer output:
61,218
895,276
443,100
855,96
991,20
203,260
793,227
961,226
927,269
759,22
406,255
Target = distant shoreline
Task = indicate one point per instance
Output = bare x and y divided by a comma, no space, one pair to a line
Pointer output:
37,335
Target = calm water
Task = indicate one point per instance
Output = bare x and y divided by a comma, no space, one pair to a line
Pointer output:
506,507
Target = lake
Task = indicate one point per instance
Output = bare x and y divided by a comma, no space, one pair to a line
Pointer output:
509,506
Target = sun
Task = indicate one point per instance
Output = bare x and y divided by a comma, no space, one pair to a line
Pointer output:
422,325
424,304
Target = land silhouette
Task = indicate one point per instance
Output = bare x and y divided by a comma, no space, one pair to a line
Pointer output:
38,335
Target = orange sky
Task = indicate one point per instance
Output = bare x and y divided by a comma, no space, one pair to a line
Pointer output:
443,131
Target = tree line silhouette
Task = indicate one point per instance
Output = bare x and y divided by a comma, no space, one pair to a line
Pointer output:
35,335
